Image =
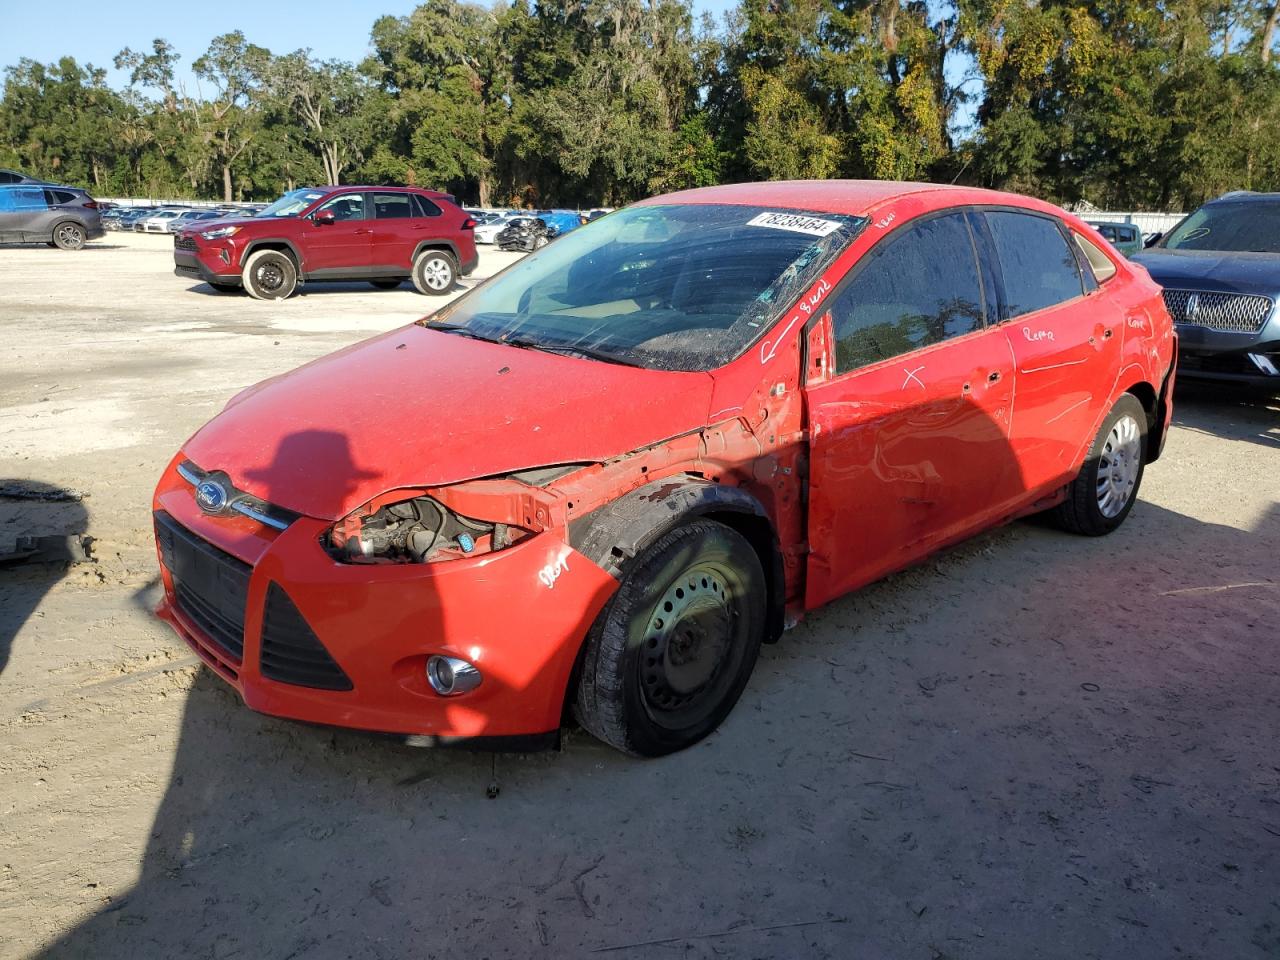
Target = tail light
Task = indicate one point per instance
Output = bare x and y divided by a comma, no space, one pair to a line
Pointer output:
91,204
468,224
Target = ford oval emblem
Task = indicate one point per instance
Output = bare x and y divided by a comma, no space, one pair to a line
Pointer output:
211,496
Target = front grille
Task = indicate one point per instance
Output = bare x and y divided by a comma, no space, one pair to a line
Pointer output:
1228,312
210,586
184,243
291,652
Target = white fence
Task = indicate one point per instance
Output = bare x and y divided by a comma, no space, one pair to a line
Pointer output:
1145,222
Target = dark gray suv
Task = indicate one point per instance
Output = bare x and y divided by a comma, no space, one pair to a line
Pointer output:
1220,269
64,217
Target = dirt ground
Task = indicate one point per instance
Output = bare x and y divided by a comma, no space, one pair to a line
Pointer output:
1033,746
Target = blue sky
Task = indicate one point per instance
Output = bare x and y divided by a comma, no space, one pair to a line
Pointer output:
94,32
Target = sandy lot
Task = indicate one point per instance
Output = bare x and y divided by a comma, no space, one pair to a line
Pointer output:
1033,746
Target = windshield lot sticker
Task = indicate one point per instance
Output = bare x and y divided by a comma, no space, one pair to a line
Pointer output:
795,223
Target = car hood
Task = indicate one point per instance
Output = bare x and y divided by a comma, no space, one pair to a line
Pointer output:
1257,273
421,408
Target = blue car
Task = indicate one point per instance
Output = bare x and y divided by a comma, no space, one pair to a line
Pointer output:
1220,269
560,222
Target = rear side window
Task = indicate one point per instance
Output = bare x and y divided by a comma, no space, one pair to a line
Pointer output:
919,288
1039,269
424,207
392,206
1099,263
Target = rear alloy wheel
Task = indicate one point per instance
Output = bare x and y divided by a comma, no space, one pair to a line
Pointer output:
270,275
387,284
1104,492
670,654
69,236
435,272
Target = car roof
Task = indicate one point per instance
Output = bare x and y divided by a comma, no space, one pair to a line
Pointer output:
383,187
852,197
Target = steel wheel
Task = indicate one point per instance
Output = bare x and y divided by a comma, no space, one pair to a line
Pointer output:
686,646
1119,464
69,236
435,272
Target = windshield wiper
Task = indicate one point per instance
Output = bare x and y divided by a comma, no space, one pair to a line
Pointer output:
460,329
564,349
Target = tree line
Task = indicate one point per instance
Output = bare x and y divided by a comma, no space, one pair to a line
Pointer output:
1152,104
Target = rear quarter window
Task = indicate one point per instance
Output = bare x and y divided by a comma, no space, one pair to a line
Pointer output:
424,207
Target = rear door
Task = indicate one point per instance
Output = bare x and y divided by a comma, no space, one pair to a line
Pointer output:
24,214
908,441
397,227
343,248
1064,335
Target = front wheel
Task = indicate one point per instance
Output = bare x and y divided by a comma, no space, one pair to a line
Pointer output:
1104,491
270,275
435,272
69,236
670,654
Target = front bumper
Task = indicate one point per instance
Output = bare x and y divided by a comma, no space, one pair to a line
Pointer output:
380,623
187,263
1244,358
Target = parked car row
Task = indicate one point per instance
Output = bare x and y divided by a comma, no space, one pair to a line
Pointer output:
150,219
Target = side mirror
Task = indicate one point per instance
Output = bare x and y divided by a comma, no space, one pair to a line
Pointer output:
325,218
1152,240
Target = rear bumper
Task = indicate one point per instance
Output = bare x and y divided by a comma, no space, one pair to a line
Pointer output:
380,623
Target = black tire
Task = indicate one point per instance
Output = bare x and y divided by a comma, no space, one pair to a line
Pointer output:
224,287
435,272
69,235
387,284
269,275
653,684
1106,488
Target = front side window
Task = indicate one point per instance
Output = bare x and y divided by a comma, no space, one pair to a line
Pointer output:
1248,227
918,288
1039,269
392,206
291,204
349,206
673,287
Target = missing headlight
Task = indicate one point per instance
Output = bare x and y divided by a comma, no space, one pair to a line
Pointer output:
420,530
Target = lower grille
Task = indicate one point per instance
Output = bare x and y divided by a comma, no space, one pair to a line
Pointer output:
291,652
1228,312
210,586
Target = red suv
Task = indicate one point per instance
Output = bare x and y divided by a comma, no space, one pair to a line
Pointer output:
379,234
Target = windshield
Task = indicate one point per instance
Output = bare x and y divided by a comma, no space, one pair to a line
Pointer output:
670,287
291,204
1250,227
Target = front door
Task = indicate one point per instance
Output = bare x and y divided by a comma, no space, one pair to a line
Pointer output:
908,439
344,247
1065,336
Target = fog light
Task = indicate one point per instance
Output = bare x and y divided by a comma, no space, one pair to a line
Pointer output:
449,675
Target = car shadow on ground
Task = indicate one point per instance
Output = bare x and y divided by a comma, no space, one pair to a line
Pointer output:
91,245
1227,410
31,508
1032,745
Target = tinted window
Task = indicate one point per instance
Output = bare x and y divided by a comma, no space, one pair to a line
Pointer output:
919,288
22,198
1039,268
425,208
349,206
6,177
392,206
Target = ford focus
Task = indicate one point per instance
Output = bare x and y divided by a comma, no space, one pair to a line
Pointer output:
594,485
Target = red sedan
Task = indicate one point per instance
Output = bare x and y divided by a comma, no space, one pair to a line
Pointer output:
598,482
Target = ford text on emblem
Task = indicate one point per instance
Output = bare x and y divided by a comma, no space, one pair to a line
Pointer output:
211,496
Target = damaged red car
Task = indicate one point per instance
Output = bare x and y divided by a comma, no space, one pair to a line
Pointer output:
595,484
